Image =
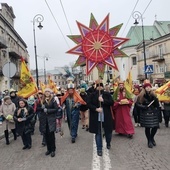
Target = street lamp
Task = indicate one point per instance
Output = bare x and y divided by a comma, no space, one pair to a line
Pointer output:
137,15
45,75
38,18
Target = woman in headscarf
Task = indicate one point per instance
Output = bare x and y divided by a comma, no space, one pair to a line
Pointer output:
23,116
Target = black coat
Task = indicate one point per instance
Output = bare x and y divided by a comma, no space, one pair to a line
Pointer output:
93,103
149,116
24,126
48,118
83,107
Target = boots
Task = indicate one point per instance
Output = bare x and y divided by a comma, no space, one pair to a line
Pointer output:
6,136
14,133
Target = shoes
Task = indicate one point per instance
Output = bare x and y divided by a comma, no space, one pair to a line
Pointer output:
108,146
29,147
139,125
99,153
83,127
153,142
7,143
130,136
136,124
52,154
43,144
25,147
166,124
150,145
73,140
47,153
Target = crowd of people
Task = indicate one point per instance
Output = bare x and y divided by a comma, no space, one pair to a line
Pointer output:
99,109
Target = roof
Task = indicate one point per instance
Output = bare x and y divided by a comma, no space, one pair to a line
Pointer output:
135,34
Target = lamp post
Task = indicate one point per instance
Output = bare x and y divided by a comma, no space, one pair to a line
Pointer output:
45,75
38,18
137,15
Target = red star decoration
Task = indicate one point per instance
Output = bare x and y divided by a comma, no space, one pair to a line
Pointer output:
97,45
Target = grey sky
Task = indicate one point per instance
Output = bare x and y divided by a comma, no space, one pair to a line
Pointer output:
50,40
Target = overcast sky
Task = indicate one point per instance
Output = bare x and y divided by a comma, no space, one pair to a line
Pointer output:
52,43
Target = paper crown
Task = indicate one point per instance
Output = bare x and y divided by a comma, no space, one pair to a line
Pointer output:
70,86
121,82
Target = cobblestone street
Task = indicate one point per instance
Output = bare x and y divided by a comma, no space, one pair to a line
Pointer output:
125,154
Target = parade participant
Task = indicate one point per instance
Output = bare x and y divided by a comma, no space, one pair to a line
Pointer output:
136,110
122,104
91,89
47,120
149,115
72,103
38,111
84,110
31,102
166,112
100,116
14,97
58,115
7,111
22,117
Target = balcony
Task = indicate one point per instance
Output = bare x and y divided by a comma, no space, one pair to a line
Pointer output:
141,77
158,58
3,43
13,53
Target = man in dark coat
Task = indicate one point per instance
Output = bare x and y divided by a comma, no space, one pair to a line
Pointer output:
100,103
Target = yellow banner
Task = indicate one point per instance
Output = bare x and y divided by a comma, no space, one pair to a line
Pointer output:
29,86
129,83
52,85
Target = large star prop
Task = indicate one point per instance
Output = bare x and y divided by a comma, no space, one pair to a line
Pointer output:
97,45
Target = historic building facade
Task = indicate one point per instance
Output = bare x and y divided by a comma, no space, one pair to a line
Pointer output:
157,50
12,47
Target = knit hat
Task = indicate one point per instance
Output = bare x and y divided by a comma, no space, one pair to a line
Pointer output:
146,85
48,89
82,90
6,98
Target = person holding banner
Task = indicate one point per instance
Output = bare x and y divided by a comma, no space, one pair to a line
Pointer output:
100,116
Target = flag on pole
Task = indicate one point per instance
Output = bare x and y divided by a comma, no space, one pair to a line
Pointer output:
129,82
51,84
28,84
163,92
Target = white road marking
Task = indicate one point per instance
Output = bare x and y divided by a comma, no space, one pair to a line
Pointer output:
106,158
96,158
96,162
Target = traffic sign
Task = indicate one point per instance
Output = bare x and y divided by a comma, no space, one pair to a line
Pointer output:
9,69
149,69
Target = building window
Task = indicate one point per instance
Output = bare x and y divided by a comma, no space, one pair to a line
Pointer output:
160,51
55,77
59,83
134,61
